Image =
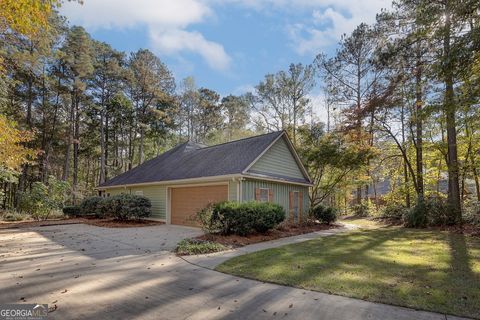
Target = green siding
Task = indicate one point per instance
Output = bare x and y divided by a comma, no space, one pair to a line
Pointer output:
278,160
156,194
232,190
281,192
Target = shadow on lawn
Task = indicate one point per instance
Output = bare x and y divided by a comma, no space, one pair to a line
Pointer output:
391,265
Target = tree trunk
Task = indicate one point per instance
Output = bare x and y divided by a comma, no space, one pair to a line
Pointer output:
140,149
102,176
107,137
475,177
419,126
76,143
66,166
450,108
131,149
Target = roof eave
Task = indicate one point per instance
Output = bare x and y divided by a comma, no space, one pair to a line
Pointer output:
176,181
275,179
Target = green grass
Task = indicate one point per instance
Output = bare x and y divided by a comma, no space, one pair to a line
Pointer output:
362,222
429,270
192,246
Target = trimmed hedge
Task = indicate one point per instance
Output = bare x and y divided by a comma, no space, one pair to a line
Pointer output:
126,207
241,218
92,206
72,211
121,207
324,214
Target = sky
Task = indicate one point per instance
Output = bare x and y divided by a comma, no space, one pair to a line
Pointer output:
226,45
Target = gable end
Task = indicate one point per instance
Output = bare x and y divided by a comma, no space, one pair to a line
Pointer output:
280,161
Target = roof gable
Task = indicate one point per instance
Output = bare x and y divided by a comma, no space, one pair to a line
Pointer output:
279,160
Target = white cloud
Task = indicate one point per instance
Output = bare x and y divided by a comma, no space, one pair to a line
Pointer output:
165,20
332,21
329,20
176,40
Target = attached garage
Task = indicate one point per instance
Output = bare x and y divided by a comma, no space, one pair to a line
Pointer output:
185,179
185,202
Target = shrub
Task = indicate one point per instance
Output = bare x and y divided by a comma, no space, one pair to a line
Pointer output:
36,202
91,206
394,211
240,218
471,213
429,212
416,217
72,211
42,200
196,246
11,215
324,214
437,212
360,210
126,207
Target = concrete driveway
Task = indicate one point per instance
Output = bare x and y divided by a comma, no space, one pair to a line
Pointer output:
98,273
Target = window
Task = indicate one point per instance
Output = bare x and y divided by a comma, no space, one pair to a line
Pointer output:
263,196
139,193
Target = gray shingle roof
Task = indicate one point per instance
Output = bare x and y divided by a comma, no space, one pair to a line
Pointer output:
190,160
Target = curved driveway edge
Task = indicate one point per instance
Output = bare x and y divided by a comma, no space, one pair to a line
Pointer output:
96,273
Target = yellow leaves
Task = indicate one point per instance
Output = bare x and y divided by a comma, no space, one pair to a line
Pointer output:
27,17
12,153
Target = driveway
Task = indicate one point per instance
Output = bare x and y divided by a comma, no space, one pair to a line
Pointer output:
90,272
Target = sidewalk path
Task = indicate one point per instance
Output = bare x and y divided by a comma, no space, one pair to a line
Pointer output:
212,260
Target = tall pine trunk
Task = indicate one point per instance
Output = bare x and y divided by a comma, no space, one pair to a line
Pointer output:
76,145
419,126
66,166
102,175
450,109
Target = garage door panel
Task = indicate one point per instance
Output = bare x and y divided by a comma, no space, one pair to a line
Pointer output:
187,201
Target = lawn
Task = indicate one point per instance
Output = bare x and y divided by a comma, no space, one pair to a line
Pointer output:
429,270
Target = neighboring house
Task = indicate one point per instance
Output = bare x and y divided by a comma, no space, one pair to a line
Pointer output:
185,179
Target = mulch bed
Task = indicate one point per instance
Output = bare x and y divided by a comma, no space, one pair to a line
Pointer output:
106,223
282,232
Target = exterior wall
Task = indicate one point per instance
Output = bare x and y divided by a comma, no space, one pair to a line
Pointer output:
281,192
232,190
156,194
278,160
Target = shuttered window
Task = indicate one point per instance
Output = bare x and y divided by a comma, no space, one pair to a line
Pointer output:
264,194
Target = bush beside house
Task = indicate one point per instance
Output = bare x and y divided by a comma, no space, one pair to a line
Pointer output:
126,207
120,207
240,218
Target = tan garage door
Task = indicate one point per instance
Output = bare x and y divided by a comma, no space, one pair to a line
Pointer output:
187,201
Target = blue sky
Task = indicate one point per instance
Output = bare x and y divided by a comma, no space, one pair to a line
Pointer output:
228,45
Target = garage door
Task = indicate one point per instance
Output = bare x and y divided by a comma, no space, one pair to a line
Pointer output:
187,201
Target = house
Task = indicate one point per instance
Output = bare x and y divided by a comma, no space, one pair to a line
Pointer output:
185,179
